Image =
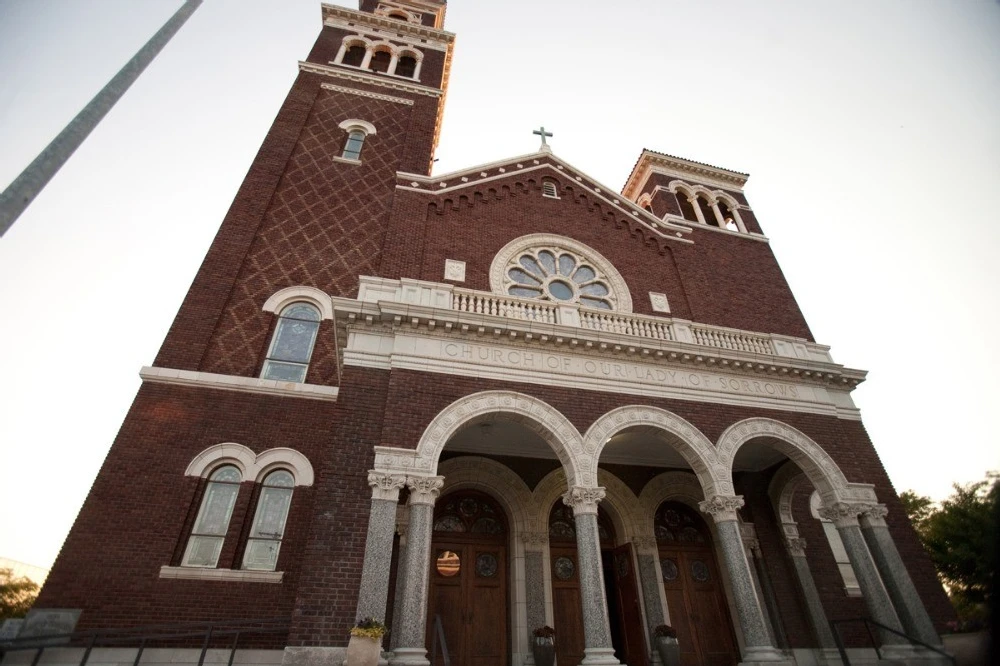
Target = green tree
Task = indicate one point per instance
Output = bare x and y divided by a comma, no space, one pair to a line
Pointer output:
917,507
16,595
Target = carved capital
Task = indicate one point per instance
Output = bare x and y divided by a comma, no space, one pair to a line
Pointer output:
386,486
534,538
582,499
424,489
875,516
752,545
644,542
843,514
796,546
722,507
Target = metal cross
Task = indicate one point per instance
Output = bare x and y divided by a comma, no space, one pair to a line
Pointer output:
542,133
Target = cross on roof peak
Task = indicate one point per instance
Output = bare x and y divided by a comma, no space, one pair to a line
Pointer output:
542,133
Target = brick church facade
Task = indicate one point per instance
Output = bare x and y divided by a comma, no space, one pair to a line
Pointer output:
503,397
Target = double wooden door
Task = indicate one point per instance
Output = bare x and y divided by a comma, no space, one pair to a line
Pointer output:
697,607
468,590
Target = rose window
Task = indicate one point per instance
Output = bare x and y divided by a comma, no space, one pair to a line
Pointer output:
560,276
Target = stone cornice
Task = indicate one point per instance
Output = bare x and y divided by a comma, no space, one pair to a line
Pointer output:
651,162
368,79
392,25
212,380
475,176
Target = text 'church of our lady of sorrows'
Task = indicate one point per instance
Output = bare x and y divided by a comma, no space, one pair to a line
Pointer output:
482,402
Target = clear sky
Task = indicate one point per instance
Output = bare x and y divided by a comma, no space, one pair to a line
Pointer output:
869,127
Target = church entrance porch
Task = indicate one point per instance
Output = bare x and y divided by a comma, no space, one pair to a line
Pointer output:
468,580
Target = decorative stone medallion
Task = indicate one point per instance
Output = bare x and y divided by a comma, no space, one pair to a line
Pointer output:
486,565
670,570
563,568
700,571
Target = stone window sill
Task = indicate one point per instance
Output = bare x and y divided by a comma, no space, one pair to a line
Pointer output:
345,160
239,576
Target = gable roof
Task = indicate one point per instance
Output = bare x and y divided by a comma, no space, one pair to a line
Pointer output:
543,160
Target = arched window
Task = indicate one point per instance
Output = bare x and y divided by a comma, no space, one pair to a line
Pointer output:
380,61
209,531
406,66
355,55
269,522
706,209
352,147
292,344
727,217
550,188
687,209
851,586
558,275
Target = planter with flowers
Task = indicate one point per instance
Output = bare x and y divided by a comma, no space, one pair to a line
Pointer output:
543,646
665,639
365,646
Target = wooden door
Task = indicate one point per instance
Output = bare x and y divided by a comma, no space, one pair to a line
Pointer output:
695,597
468,581
626,586
566,606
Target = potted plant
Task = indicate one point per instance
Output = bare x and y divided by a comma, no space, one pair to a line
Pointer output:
543,645
665,638
365,646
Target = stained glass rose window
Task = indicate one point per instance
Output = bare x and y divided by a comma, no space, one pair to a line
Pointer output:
558,275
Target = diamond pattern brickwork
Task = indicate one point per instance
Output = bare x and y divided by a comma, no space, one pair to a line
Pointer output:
325,226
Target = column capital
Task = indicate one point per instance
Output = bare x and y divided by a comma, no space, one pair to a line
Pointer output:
875,516
796,546
644,542
385,485
583,499
534,538
424,489
722,507
844,514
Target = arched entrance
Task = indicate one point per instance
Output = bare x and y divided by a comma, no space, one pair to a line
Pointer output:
695,597
468,579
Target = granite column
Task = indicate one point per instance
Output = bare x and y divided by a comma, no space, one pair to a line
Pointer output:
378,548
416,568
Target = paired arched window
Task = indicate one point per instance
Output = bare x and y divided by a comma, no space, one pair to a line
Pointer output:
355,55
292,343
269,521
714,209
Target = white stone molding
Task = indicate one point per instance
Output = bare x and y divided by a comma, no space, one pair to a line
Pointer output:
233,575
547,492
529,411
651,162
785,482
796,546
875,515
748,532
622,298
843,514
237,383
253,467
816,463
395,12
686,439
424,489
644,542
659,302
583,500
454,270
722,507
538,539
366,93
385,485
282,298
369,78
357,124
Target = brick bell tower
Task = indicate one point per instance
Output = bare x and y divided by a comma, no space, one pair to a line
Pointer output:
314,210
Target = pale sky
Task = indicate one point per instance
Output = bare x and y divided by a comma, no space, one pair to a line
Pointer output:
869,127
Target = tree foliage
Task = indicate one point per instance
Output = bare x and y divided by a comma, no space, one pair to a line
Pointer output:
961,537
16,595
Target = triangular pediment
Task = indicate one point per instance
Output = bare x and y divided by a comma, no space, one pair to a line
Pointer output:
540,163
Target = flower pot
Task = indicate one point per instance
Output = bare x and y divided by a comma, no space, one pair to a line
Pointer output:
362,651
543,648
669,651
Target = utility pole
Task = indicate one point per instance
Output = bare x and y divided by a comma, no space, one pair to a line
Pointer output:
20,193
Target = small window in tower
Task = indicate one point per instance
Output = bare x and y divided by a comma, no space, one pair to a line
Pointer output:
706,209
727,217
406,66
209,532
292,344
355,55
269,522
355,141
549,189
687,210
381,61
400,16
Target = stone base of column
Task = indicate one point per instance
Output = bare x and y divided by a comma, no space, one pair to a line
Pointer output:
314,656
912,654
408,657
605,656
770,656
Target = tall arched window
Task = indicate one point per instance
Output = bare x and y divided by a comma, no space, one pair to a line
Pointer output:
406,66
269,522
355,55
209,531
706,210
352,148
292,344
